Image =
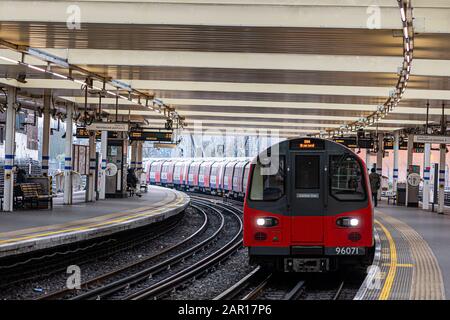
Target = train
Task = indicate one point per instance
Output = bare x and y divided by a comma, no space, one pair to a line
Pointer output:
307,202
308,208
223,177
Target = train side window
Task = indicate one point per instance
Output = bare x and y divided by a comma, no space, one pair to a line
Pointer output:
266,187
346,178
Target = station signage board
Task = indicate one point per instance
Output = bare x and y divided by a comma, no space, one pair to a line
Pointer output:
108,126
403,145
83,133
348,142
165,145
352,142
155,136
432,139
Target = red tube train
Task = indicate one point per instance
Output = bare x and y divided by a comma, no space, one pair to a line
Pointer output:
225,177
308,207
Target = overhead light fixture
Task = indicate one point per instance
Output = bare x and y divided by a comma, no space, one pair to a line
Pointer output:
51,59
404,72
21,78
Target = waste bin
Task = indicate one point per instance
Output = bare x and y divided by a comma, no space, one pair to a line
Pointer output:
401,194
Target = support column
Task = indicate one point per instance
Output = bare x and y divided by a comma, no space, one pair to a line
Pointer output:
68,190
8,197
139,154
133,154
380,159
139,162
368,159
426,177
46,134
395,172
90,194
409,164
441,194
104,147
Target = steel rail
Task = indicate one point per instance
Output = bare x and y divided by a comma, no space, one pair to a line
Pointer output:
196,269
117,285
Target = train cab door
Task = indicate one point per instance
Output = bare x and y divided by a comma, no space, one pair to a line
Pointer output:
307,197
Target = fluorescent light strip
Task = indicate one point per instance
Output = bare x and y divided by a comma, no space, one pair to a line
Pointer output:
79,82
36,68
9,60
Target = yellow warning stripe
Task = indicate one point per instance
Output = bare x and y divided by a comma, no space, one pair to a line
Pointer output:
389,281
400,265
87,227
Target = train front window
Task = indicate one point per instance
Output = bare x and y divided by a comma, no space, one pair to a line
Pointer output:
267,185
307,172
346,178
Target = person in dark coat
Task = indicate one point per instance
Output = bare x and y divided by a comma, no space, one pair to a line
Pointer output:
21,175
375,184
132,181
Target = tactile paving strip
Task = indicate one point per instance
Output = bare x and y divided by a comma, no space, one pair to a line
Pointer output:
404,267
427,282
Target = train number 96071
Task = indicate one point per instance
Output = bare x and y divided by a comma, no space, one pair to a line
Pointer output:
347,251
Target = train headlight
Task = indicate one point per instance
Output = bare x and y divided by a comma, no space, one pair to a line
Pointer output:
354,222
266,222
260,222
348,222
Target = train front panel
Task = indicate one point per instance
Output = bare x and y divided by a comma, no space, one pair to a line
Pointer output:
308,207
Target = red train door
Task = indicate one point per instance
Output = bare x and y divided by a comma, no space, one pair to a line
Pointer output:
307,197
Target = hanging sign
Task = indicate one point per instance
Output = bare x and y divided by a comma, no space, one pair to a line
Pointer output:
165,145
155,136
83,133
108,126
432,139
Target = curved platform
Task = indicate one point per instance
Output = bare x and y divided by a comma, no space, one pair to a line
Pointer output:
25,231
411,259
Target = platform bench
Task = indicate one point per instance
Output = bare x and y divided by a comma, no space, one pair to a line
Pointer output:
33,193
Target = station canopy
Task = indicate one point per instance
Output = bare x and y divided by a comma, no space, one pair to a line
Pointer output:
297,66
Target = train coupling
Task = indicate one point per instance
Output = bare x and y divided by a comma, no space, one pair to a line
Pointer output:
306,265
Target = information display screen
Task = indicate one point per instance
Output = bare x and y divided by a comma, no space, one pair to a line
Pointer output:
83,133
307,144
156,136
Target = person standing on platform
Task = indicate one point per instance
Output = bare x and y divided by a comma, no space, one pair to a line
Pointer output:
375,184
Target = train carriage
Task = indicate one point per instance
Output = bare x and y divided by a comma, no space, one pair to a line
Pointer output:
238,179
308,207
148,166
155,172
204,176
228,177
246,177
167,173
194,170
216,177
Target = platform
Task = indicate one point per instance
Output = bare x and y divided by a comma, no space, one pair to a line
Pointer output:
412,259
25,231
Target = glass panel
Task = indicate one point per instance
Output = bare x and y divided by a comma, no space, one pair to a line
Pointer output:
307,172
268,187
346,182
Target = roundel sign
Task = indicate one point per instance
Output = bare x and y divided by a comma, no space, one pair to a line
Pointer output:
414,179
111,170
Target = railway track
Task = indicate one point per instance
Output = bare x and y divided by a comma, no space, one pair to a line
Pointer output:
263,285
122,277
119,282
200,267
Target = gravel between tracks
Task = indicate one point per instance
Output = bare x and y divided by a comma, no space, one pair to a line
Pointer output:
212,284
